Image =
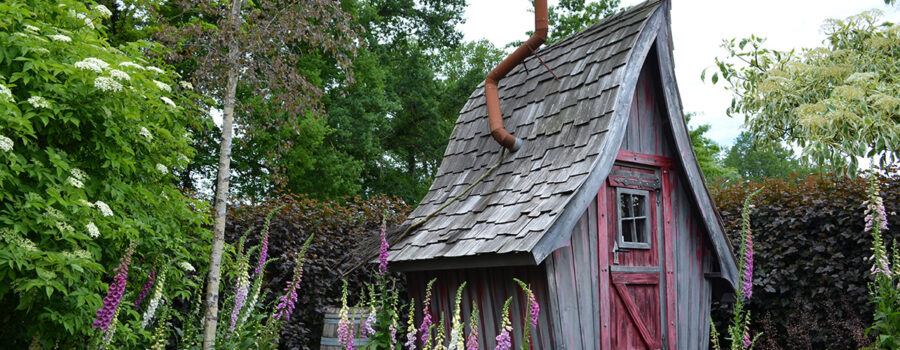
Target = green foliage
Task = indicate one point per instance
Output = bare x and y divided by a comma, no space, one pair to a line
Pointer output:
811,257
751,160
837,102
708,152
92,141
572,16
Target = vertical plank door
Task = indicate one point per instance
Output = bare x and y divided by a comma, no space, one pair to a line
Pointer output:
635,257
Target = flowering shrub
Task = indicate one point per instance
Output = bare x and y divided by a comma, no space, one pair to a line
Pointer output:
810,278
80,179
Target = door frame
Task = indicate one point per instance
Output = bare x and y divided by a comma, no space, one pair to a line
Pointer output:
665,238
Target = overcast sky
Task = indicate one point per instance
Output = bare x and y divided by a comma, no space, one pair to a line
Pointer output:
698,29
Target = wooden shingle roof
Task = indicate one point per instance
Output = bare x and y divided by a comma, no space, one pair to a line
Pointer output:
563,123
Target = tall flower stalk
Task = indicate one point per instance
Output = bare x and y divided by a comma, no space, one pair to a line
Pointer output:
533,309
286,304
242,287
155,300
264,245
504,340
739,329
457,340
411,327
427,322
345,333
383,252
146,289
885,290
472,339
114,293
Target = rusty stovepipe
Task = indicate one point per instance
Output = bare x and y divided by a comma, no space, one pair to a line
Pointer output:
495,117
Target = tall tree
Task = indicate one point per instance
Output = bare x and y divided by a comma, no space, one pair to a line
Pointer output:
708,152
752,160
838,102
572,16
262,46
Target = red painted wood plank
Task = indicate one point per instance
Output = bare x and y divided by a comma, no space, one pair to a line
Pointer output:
635,278
603,268
670,234
635,317
644,159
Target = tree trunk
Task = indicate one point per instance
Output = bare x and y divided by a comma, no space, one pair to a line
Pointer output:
215,255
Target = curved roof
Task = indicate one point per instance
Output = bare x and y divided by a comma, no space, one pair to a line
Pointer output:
564,124
572,122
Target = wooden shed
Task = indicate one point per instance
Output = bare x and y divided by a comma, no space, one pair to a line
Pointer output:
603,210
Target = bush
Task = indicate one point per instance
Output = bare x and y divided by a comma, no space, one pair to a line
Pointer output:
812,273
337,226
88,136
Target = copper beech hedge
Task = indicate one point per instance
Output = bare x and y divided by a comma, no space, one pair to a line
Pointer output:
812,273
337,224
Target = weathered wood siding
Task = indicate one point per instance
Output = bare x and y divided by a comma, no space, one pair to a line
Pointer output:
648,133
489,288
572,281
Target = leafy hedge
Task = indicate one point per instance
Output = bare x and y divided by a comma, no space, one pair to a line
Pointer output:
812,273
337,226
89,135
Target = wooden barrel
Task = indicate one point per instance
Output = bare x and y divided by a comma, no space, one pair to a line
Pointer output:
329,329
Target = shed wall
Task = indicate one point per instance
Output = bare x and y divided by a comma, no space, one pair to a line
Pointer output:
572,281
489,288
649,133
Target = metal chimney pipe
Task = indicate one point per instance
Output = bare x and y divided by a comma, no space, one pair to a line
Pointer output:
492,97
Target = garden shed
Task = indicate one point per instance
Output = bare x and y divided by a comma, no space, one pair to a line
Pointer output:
603,209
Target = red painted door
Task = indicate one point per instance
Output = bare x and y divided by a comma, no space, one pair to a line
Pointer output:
635,250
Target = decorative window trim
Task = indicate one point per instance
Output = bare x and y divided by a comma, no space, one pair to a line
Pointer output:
620,238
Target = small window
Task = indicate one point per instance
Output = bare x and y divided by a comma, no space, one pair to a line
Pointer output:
634,218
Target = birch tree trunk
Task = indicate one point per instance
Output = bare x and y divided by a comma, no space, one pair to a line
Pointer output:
215,255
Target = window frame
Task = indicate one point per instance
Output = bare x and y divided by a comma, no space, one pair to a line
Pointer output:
620,237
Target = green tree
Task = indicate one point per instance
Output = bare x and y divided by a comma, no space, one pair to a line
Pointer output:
708,152
838,102
752,160
90,136
572,16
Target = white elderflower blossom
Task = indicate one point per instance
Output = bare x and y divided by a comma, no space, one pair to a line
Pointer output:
6,94
64,227
168,101
32,28
162,168
163,86
186,266
131,65
38,102
104,208
60,38
74,182
91,63
115,73
92,229
107,84
103,11
81,253
86,203
186,85
54,213
146,134
16,240
183,158
6,144
156,70
78,174
42,50
85,18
